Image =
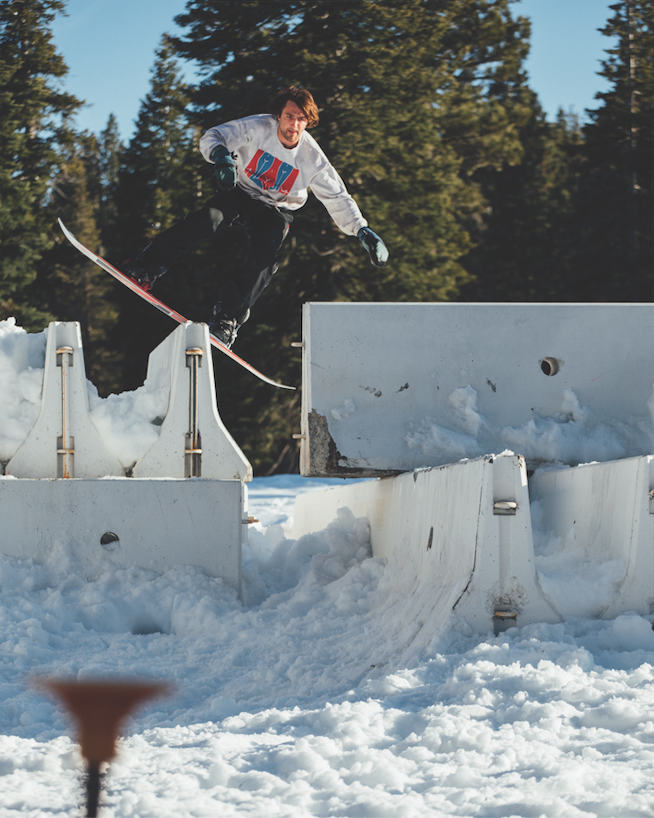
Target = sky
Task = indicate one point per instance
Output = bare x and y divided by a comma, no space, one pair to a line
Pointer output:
109,48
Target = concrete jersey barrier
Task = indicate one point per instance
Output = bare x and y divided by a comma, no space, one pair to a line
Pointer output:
394,387
457,540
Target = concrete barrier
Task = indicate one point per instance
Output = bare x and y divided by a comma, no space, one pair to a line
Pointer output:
390,388
50,508
90,525
63,441
456,539
394,387
607,509
193,441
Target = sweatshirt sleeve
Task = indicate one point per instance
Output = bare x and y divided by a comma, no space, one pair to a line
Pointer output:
232,135
329,188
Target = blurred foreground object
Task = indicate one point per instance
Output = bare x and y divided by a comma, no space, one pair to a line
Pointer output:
99,708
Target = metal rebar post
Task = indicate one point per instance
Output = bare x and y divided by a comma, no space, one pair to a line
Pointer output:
65,442
193,450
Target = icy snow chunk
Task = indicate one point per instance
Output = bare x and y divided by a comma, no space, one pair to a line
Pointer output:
274,564
457,442
616,715
329,553
431,438
570,435
219,774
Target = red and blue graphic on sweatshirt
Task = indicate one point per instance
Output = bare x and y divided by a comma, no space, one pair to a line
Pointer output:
270,173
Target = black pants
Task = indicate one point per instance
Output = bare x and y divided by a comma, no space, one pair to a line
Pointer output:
265,228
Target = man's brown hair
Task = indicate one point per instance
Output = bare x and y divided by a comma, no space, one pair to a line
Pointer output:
301,97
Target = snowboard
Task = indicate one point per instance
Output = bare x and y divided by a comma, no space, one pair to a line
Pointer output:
155,302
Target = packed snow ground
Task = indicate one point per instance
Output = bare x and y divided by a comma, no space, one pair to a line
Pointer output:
311,696
310,699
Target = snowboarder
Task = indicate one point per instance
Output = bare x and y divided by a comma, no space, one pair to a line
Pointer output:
264,165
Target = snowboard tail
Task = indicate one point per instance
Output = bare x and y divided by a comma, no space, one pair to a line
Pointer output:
155,302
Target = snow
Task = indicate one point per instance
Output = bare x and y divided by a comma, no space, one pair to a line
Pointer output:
21,380
130,422
312,695
310,698
571,579
573,434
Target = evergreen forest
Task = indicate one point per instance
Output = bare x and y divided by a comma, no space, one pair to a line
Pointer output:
426,113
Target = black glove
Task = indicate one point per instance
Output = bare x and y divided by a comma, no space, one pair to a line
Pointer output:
224,167
374,245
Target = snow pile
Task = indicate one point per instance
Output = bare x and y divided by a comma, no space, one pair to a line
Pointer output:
571,580
22,356
312,699
571,435
130,422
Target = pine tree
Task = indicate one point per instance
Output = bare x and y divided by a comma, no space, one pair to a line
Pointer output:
69,286
415,98
154,183
161,176
33,124
110,151
616,199
527,241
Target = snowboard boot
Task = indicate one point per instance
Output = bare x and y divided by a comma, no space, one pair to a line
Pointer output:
144,272
224,328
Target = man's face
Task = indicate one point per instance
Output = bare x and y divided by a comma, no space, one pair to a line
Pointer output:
292,123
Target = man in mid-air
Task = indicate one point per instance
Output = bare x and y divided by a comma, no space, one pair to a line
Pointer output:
264,166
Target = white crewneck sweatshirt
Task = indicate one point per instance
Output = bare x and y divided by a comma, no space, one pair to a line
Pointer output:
282,176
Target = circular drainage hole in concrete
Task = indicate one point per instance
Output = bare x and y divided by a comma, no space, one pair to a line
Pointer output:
550,366
110,540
